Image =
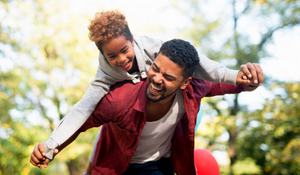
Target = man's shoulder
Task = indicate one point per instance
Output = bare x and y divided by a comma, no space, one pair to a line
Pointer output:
199,82
200,87
124,91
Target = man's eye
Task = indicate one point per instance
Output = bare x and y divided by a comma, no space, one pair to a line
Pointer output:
154,69
168,78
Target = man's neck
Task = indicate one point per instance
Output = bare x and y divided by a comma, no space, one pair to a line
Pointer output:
157,110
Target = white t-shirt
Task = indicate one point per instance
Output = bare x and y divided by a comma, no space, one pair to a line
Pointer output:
155,140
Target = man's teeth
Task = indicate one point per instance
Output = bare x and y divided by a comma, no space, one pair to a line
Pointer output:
155,88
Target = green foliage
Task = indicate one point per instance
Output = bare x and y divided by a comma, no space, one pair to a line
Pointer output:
221,35
49,58
246,166
52,63
16,148
274,144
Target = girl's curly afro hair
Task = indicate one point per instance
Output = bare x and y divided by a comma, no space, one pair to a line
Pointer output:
108,25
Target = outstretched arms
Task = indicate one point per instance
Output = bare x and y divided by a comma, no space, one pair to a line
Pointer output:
212,71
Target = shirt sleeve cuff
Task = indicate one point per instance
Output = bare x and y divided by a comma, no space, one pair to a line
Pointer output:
230,76
49,147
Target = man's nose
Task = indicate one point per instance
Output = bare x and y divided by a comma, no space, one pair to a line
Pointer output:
158,79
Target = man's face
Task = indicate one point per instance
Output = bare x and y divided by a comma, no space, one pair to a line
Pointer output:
120,53
164,79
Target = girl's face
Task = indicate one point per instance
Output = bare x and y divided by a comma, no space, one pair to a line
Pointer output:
120,53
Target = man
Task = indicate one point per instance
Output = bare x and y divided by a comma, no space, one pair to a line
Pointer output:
149,127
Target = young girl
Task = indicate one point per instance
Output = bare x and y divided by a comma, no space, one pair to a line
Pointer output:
123,56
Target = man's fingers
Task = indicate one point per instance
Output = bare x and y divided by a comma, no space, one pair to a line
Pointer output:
256,78
245,70
252,69
260,74
41,148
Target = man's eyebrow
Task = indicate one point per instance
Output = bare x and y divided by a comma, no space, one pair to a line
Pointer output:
155,66
165,74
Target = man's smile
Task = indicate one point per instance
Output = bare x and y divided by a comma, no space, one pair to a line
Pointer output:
155,88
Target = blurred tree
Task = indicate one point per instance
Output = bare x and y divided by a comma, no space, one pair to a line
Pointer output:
47,63
274,141
234,34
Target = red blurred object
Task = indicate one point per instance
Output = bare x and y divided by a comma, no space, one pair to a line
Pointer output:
205,163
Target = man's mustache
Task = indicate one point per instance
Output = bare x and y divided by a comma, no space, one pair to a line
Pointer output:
159,85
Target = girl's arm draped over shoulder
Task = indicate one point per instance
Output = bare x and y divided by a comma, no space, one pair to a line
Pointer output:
80,112
212,71
207,69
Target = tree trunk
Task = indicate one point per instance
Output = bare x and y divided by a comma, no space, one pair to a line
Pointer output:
73,168
232,135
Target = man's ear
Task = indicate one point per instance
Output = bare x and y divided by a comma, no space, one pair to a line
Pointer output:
185,83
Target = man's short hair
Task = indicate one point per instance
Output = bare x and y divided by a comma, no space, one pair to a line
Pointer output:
182,53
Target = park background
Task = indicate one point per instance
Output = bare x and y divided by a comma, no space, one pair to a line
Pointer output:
47,63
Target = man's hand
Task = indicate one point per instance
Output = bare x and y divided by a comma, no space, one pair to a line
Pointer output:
38,156
250,74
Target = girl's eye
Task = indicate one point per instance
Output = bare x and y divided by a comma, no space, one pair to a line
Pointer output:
113,56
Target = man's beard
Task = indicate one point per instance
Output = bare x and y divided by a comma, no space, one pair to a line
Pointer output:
161,97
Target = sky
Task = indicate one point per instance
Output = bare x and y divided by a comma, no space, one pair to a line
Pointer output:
144,16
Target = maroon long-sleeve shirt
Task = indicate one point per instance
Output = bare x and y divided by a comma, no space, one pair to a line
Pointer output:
122,112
